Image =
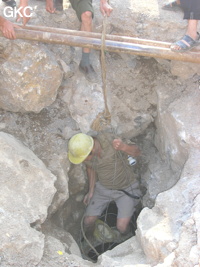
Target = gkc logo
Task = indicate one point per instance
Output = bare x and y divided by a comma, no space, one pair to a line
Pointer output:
10,12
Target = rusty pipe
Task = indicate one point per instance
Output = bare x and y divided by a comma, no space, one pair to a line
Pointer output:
117,38
111,46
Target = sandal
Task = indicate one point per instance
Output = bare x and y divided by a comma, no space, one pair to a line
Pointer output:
173,6
10,3
186,43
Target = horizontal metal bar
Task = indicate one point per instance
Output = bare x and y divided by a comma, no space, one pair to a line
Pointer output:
113,44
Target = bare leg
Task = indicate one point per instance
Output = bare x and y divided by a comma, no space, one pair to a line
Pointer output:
192,28
86,25
89,223
85,67
123,225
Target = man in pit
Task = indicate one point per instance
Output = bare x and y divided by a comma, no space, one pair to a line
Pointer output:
111,178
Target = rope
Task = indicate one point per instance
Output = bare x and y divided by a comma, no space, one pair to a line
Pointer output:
103,118
83,233
103,67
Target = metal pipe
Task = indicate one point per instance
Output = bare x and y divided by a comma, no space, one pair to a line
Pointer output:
117,38
110,45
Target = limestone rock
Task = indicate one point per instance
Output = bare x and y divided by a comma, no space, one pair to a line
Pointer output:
85,102
183,129
29,77
55,255
77,179
20,245
158,178
131,100
66,69
138,91
185,70
71,247
59,167
172,221
128,253
141,20
130,124
26,193
130,104
163,236
68,132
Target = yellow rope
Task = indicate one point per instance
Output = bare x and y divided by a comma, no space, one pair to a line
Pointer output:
103,118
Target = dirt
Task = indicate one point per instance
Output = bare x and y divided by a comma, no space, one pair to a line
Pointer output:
131,80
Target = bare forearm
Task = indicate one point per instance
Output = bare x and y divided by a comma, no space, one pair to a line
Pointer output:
131,150
92,180
2,20
7,28
91,177
23,2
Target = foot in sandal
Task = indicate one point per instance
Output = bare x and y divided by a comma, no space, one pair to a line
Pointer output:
185,44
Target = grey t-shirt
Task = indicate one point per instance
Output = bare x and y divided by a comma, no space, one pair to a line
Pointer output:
112,168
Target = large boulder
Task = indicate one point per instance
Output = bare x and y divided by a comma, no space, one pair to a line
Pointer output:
27,190
171,226
29,77
129,253
20,244
55,255
59,166
173,218
85,101
178,125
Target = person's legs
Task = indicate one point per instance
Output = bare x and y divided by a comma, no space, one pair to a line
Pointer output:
85,66
101,198
126,207
86,25
192,14
191,9
85,13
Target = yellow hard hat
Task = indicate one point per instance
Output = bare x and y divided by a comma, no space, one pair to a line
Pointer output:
79,147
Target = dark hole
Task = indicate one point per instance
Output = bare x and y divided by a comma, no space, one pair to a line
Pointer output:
109,216
100,249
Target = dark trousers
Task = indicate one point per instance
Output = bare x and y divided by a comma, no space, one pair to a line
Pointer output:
191,9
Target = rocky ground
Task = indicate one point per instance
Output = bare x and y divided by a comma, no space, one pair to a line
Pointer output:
152,101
